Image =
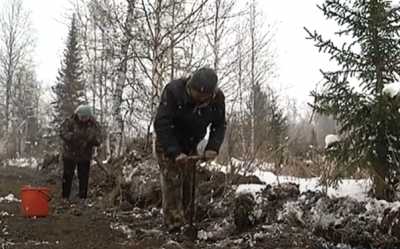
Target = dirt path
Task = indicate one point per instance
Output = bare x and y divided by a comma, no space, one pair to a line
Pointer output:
72,227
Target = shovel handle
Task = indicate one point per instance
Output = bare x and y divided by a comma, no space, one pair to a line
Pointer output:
196,158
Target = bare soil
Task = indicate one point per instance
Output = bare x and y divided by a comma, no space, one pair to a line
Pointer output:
65,227
74,226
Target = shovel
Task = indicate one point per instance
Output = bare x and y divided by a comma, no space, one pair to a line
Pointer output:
191,231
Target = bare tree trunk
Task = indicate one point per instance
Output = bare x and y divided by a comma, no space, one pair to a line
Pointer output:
241,110
8,97
172,38
216,35
381,185
252,77
102,79
94,73
118,120
155,72
222,11
15,42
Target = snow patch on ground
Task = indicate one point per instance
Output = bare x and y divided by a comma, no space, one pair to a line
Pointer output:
375,208
246,166
23,163
4,214
392,89
356,189
123,228
9,198
331,139
320,216
253,189
292,209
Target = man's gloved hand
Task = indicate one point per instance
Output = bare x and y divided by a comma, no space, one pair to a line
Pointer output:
182,159
210,155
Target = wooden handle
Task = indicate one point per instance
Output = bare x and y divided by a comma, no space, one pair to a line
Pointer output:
195,158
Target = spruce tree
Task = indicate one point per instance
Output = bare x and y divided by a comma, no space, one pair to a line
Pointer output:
270,121
369,121
277,122
70,88
278,131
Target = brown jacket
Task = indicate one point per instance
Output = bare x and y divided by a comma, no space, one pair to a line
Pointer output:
79,138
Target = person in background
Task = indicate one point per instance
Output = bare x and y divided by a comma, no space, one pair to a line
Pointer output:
187,107
80,133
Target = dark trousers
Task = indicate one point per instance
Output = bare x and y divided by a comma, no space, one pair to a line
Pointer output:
176,190
68,175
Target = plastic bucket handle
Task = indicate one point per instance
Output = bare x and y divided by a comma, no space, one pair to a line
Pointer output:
48,196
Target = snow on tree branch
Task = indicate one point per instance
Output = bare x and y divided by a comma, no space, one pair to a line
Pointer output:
331,139
391,89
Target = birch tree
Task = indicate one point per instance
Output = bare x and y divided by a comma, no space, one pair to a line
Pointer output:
25,103
256,64
16,43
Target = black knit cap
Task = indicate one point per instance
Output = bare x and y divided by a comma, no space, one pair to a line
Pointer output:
204,80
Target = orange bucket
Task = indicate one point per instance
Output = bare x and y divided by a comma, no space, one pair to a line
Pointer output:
35,201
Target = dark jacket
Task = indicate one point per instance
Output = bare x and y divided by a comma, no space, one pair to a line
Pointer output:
80,138
180,125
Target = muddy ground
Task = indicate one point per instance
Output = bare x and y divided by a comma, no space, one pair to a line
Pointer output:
277,225
72,227
63,228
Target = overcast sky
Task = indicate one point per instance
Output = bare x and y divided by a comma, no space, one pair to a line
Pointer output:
298,61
